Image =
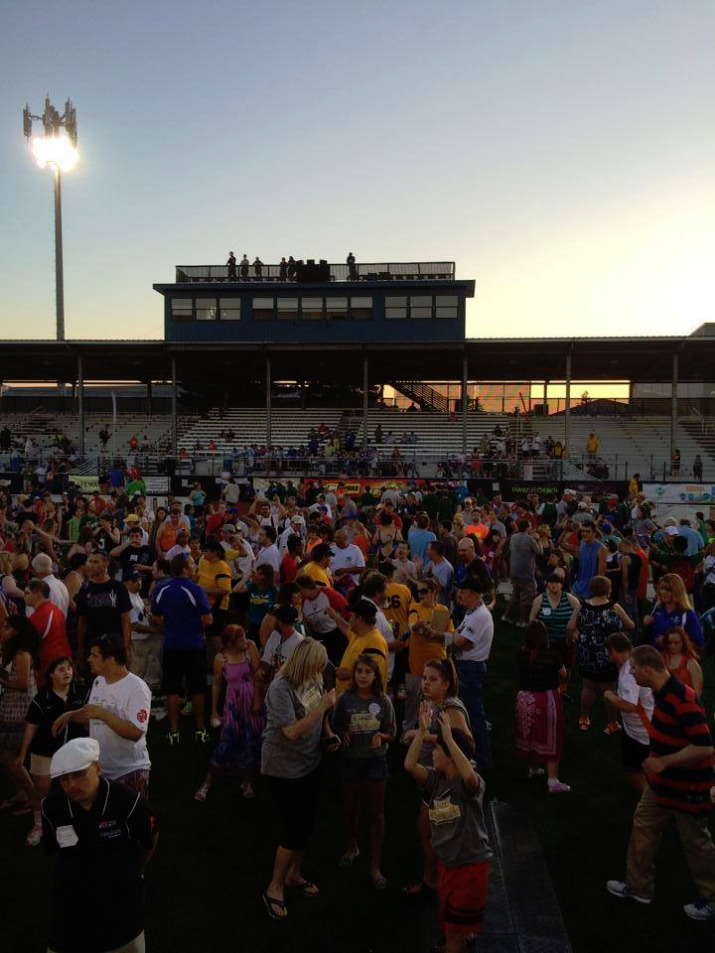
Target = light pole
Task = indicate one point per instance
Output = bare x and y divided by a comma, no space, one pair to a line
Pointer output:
57,150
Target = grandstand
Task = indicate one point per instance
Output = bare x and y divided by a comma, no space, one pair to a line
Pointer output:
268,360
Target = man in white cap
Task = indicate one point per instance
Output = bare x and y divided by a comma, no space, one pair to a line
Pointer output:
95,825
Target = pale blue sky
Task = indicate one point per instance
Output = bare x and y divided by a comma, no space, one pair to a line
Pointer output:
562,152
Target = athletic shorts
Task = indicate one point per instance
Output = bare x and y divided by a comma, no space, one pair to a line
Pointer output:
187,665
462,893
364,770
633,753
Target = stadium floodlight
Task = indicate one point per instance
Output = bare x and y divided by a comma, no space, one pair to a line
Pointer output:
56,149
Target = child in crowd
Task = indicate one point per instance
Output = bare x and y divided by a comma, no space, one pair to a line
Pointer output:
364,720
454,793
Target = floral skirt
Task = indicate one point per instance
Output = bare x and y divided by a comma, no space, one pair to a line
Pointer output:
540,725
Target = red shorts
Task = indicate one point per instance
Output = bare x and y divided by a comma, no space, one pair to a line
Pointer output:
462,895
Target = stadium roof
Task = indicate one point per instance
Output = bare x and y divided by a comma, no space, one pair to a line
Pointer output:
489,359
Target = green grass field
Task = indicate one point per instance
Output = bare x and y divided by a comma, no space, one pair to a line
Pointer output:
214,860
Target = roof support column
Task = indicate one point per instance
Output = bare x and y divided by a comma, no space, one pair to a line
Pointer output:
567,409
674,405
365,385
174,427
80,404
268,402
465,402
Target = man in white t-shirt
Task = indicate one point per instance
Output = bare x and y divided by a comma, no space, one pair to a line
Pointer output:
117,713
59,594
473,642
347,563
146,638
283,641
635,703
268,553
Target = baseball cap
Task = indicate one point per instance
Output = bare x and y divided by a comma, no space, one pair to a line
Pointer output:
671,530
131,574
76,755
131,518
297,518
228,528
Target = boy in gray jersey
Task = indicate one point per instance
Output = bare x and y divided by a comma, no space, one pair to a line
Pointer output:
454,793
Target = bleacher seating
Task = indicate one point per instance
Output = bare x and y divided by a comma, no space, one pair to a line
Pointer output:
628,444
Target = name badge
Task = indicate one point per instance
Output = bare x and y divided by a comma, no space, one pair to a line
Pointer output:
66,836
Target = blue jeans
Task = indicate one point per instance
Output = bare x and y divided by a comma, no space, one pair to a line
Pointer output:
471,691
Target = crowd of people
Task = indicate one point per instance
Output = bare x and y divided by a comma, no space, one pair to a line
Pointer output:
315,622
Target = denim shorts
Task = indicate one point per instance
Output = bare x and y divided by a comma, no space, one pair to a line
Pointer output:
364,770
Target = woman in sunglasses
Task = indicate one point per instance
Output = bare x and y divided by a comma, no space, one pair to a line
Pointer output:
422,649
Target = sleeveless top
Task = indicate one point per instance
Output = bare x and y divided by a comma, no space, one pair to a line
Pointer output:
681,671
556,619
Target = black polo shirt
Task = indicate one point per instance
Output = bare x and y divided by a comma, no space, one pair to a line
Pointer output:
97,902
45,708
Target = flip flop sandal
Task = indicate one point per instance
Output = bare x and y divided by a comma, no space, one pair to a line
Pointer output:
270,903
347,860
418,889
202,793
307,888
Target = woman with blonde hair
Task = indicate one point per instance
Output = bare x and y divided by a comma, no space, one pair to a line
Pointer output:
672,609
290,762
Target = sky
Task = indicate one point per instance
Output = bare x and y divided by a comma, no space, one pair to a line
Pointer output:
561,152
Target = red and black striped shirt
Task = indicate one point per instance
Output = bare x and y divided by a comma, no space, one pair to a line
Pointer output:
679,720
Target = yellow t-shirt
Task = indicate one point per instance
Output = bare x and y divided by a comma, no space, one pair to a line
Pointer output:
397,603
317,574
215,576
422,651
372,643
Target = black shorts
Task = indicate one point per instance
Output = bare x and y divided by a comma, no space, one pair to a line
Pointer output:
633,753
295,799
184,666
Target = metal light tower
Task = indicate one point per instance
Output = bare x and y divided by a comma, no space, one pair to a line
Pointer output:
57,150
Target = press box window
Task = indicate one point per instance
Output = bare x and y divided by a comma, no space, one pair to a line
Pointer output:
447,306
421,306
182,309
360,308
230,309
263,309
395,307
206,309
336,307
312,309
288,309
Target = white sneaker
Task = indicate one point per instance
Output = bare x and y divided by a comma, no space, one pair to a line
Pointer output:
700,910
621,889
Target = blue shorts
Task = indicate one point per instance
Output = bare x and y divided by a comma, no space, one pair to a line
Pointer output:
365,770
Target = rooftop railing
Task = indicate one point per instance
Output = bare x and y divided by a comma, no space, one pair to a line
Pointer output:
373,271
